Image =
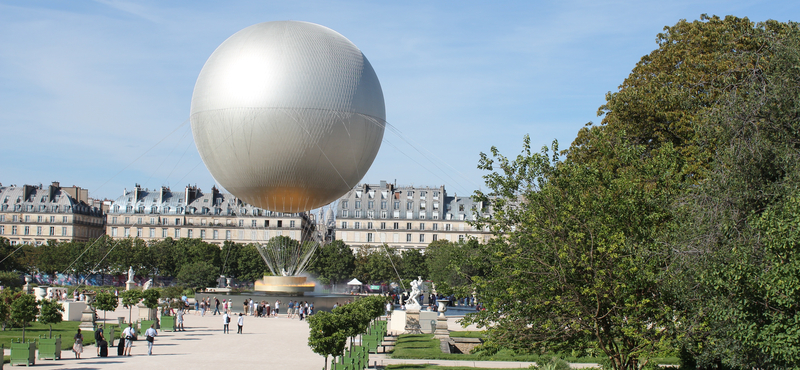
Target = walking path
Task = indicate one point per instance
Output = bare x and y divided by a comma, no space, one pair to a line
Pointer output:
267,343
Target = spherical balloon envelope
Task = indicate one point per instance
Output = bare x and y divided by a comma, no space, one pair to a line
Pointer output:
288,116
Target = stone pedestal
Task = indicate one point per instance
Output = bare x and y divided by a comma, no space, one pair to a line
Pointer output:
441,321
87,319
412,323
129,285
147,313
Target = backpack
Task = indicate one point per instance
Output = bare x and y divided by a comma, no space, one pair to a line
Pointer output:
228,320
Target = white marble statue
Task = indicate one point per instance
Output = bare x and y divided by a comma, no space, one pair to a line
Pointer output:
417,286
130,274
147,284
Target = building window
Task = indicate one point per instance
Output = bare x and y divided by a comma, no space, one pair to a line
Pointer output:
2,230
114,220
344,224
291,223
152,220
216,234
27,218
52,231
127,220
164,233
254,223
52,219
369,225
396,225
422,238
383,214
113,231
202,234
371,204
396,205
447,227
189,233
396,237
177,221
344,213
408,226
38,218
435,237
127,232
409,206
27,230
280,223
138,232
13,230
38,230
408,238
266,223
422,226
152,232
358,204
241,223
396,214
227,235
357,225
178,233
461,238
358,214
435,195
383,204
344,204
369,237
383,225
435,227
343,236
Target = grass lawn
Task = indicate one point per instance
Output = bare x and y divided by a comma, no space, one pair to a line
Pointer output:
66,329
423,346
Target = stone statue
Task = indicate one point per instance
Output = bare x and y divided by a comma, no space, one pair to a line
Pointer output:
148,284
417,286
130,274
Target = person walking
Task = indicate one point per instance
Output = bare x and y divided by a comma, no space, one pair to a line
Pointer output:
240,323
277,308
78,346
179,320
99,340
226,321
150,335
128,334
216,306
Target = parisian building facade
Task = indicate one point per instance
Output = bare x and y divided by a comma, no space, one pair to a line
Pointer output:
214,217
406,217
32,214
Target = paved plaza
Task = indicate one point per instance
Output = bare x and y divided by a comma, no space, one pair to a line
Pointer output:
267,343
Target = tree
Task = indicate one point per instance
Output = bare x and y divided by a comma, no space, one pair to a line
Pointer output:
24,310
105,301
327,334
584,237
736,232
10,279
131,298
150,298
199,275
51,313
670,89
414,264
333,263
452,266
6,297
376,265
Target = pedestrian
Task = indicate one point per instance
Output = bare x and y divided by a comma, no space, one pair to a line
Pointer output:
226,320
240,323
179,320
244,306
99,339
129,333
216,306
290,309
78,346
277,307
150,335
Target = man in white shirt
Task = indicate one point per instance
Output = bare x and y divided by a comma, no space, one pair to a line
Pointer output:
128,334
226,320
240,323
150,335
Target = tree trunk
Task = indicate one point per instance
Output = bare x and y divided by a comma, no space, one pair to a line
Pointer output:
326,363
51,331
23,332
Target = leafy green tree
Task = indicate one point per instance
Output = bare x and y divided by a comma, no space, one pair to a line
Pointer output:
8,256
376,265
414,264
24,310
150,298
191,251
10,279
131,298
333,263
327,334
584,238
51,313
199,275
6,297
105,302
453,266
670,89
737,263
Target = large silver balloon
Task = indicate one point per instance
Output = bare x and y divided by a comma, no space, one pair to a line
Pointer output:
287,116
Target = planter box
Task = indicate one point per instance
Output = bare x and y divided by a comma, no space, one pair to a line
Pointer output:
144,325
23,353
109,332
50,348
168,323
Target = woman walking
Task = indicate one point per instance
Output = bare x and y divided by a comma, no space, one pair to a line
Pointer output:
78,346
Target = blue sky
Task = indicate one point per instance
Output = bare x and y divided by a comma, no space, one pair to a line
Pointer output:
97,93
